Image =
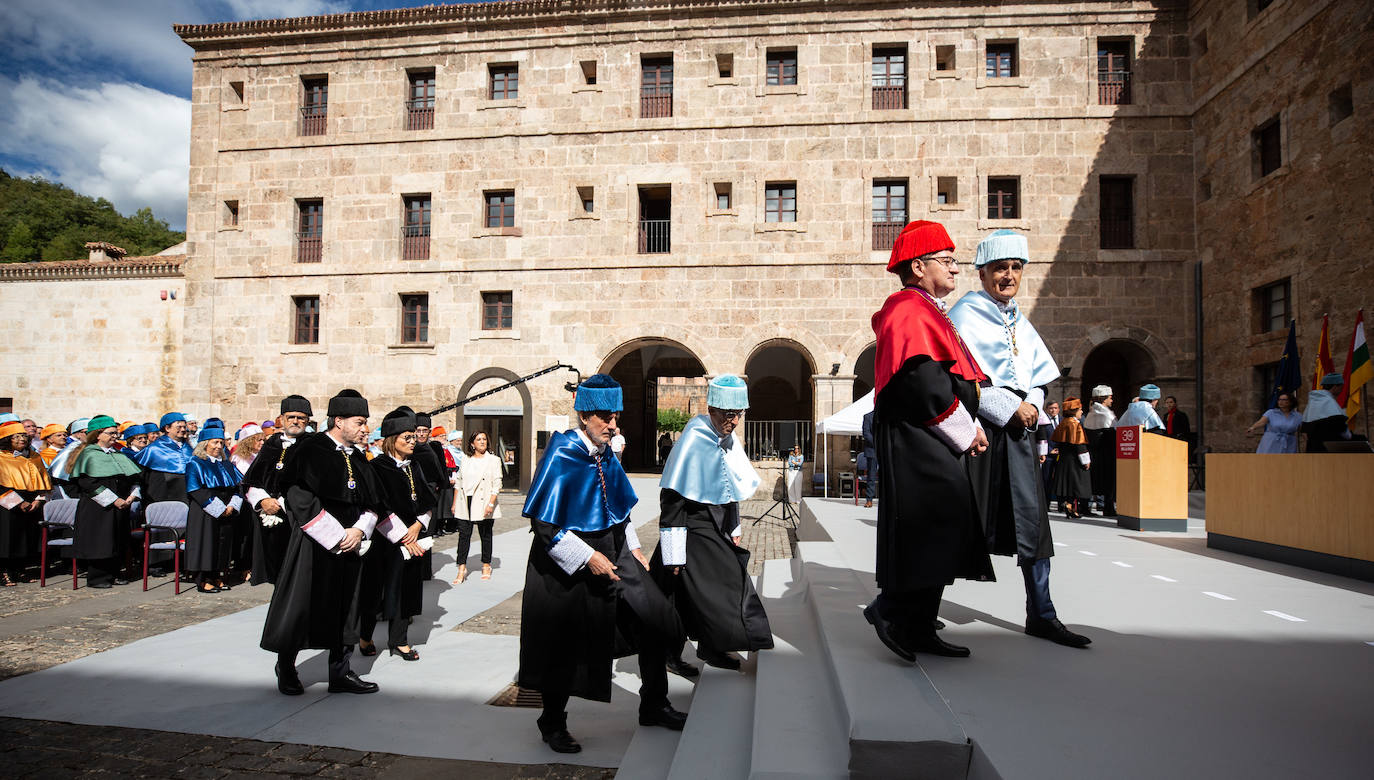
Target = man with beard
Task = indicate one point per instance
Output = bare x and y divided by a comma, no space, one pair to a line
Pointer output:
265,492
699,562
1006,479
332,501
164,461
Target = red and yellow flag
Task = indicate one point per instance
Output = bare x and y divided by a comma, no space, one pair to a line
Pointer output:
1358,370
1325,365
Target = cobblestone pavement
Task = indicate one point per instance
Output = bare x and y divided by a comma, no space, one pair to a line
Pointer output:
44,627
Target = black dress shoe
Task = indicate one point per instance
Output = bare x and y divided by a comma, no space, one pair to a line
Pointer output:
100,585
562,742
120,581
887,633
934,645
939,624
289,683
664,716
352,683
718,659
369,650
409,655
681,668
1055,631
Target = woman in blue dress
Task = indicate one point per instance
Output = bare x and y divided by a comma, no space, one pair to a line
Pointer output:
1280,426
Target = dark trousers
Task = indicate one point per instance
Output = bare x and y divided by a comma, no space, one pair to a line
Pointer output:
101,570
1047,475
465,539
397,633
1037,577
913,612
338,661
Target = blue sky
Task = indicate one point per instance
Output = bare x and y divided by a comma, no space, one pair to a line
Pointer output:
96,92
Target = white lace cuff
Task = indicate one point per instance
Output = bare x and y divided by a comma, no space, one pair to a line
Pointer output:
570,552
325,529
997,405
956,428
11,500
1036,397
137,492
257,496
672,546
366,522
215,508
631,537
424,520
105,497
392,528
1085,459
236,503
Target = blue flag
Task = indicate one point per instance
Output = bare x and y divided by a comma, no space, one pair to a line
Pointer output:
1289,376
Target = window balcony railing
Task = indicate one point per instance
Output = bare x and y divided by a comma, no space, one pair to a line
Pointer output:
415,242
885,234
655,106
1116,230
313,119
420,114
768,439
308,248
889,97
1114,88
655,236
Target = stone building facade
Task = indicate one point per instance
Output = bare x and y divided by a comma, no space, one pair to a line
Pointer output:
539,107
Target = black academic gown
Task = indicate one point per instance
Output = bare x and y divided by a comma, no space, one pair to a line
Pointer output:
1102,448
929,531
713,593
1071,480
209,540
1319,432
315,602
19,535
393,587
443,512
432,467
102,532
269,543
1011,496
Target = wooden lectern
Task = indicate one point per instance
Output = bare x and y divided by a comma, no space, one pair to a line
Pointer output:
1151,481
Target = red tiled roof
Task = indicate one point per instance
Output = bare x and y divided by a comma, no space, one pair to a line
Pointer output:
150,266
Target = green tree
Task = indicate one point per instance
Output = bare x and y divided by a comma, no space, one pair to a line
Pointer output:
20,245
58,222
672,420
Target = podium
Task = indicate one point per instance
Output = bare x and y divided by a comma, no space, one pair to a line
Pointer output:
1151,481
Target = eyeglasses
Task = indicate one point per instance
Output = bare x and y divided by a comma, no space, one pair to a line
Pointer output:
947,261
732,414
409,438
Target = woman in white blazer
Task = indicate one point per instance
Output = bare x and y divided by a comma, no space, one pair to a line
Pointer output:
481,484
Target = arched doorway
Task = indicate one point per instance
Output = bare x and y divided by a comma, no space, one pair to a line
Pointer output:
1120,364
781,399
864,372
638,366
507,419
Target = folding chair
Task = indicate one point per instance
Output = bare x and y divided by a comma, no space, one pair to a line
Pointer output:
58,516
166,518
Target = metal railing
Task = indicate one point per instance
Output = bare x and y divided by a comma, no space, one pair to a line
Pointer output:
420,114
415,242
768,439
1116,229
308,248
313,119
885,234
655,106
889,97
1114,87
655,236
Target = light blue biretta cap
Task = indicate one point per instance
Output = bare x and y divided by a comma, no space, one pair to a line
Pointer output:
7,417
1149,393
1002,245
599,393
375,436
1332,380
727,391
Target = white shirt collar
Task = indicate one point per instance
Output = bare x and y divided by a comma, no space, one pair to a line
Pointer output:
108,450
400,463
592,447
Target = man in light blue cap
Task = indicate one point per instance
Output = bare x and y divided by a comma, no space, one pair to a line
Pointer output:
1006,478
1324,419
699,561
1142,411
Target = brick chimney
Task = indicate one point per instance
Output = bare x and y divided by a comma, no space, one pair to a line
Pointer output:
102,251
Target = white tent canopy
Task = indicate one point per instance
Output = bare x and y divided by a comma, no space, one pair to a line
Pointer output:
849,421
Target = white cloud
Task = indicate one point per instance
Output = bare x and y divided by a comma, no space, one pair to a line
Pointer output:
277,9
127,143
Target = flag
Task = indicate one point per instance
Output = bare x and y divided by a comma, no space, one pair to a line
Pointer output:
1325,365
1358,370
1289,376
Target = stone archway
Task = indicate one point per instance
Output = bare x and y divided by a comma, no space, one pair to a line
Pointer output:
1122,364
781,398
864,371
505,417
638,365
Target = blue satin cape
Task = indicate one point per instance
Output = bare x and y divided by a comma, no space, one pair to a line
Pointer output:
204,473
700,470
162,455
567,493
984,329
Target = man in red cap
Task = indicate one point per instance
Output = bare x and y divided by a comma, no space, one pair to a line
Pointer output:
926,422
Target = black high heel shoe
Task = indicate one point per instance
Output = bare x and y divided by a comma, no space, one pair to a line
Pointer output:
409,655
369,650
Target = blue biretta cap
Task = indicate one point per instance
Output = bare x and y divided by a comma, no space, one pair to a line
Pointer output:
1149,393
727,391
206,434
169,418
599,393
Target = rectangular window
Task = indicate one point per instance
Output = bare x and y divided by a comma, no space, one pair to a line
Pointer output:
500,208
1266,376
496,310
889,211
1001,60
655,219
656,87
782,67
306,328
947,190
1275,305
420,100
314,105
1340,103
780,201
415,230
1003,197
889,78
1268,142
231,213
944,58
414,319
1113,73
236,92
723,195
504,82
1117,212
589,72
587,197
309,230
725,65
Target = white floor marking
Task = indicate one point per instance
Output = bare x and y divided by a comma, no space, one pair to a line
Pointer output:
1214,595
1086,552
1162,578
1122,564
1284,616
1060,544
